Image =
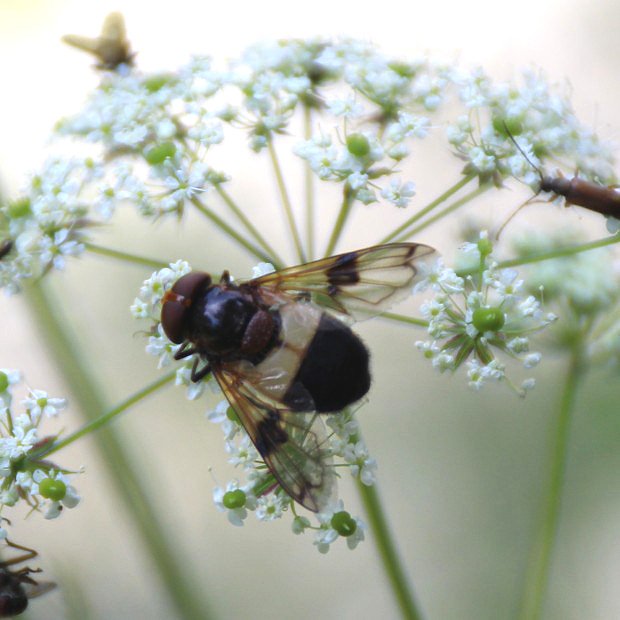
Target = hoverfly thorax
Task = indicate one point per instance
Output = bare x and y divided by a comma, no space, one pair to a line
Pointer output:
218,320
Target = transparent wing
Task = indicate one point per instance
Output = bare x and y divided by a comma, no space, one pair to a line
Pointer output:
360,284
87,44
111,47
292,444
113,27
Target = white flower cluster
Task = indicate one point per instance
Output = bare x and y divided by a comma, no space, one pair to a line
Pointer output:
539,116
41,484
257,493
154,138
472,318
47,224
585,288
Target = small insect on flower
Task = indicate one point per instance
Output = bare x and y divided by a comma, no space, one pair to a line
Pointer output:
111,47
577,191
17,587
5,247
280,359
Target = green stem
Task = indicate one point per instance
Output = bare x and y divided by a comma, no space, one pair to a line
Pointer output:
125,256
83,383
449,209
388,552
551,254
248,225
220,223
561,252
286,203
401,318
104,419
345,209
537,575
309,187
414,218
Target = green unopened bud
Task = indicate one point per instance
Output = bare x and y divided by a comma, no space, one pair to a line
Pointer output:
159,153
234,499
52,489
485,247
488,319
344,523
358,145
19,208
155,82
507,126
4,382
231,414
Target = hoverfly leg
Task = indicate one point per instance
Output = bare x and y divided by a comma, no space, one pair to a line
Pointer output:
184,351
225,279
28,555
197,375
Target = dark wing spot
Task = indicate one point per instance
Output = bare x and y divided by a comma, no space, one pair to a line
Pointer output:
344,270
269,436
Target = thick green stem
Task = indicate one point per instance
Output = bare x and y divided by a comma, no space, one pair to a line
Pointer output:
222,225
309,187
537,575
79,375
449,209
232,205
388,552
420,214
125,256
345,209
286,203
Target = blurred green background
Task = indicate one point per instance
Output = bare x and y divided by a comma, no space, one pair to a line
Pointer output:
461,473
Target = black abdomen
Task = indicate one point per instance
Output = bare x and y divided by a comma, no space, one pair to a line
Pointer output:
335,368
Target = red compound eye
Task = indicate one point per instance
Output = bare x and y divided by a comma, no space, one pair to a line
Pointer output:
178,301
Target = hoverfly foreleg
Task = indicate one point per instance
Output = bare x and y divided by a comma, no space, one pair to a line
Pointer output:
197,375
184,351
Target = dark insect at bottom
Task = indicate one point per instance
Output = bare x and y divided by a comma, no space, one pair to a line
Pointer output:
17,587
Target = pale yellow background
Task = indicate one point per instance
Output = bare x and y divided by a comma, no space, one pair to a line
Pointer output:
461,472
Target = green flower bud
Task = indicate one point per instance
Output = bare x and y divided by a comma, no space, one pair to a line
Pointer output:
52,489
159,153
504,126
344,523
488,319
234,499
358,145
485,247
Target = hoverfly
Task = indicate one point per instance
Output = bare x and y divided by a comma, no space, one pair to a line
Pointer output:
17,587
281,354
111,47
